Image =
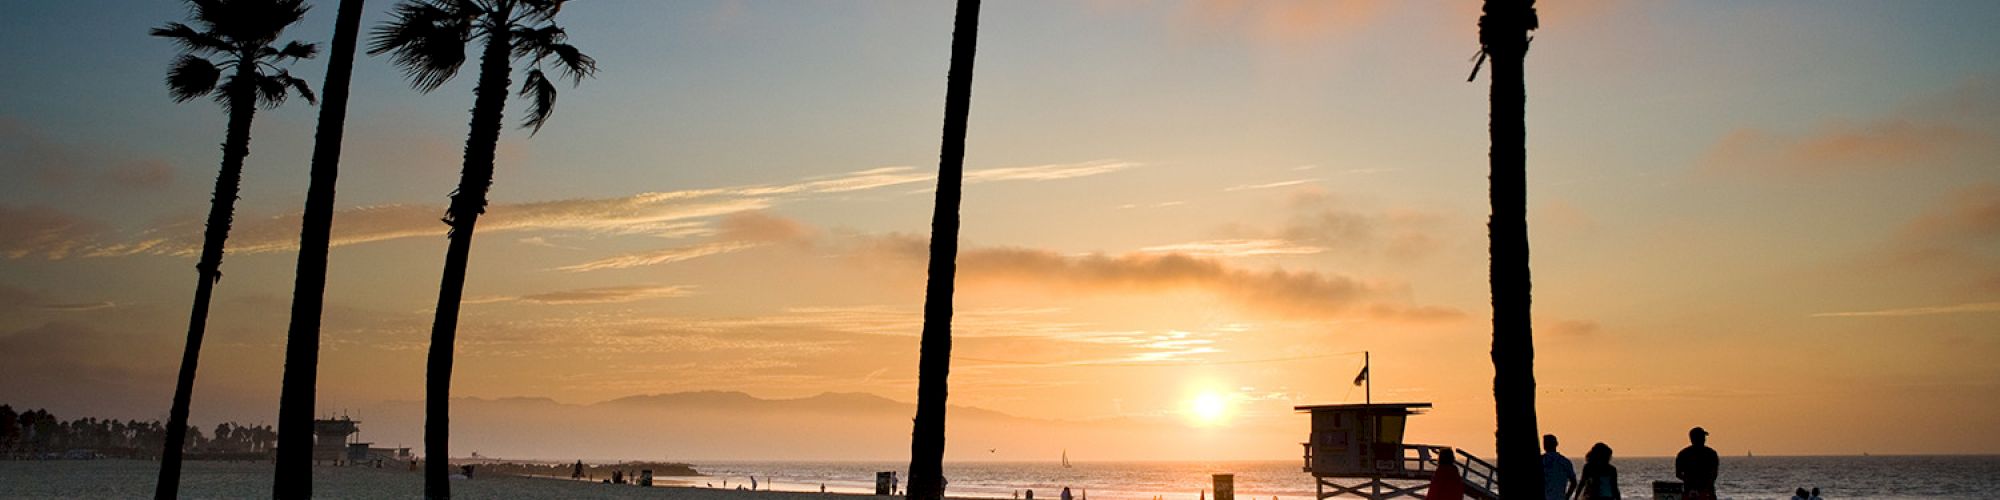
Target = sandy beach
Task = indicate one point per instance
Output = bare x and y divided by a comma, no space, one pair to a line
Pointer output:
134,479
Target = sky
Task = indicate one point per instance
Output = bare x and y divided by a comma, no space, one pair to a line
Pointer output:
1777,220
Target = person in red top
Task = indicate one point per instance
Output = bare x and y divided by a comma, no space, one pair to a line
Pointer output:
1445,483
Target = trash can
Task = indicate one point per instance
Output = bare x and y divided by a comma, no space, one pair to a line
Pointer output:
885,483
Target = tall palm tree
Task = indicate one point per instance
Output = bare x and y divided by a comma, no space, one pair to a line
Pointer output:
239,37
293,478
934,360
1503,35
428,40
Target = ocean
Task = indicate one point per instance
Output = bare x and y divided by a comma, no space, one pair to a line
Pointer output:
1742,477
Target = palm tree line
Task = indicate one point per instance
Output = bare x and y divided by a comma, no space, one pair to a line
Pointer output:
428,40
33,434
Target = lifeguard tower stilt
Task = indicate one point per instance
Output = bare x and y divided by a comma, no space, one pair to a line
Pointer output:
1358,450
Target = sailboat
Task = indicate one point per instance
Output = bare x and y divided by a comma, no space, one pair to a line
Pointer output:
1065,458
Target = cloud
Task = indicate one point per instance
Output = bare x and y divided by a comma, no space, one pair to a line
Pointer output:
665,214
663,256
27,154
1269,185
44,232
1982,307
1051,172
1575,328
1958,238
1836,147
1928,130
607,295
1323,222
1234,248
1282,293
1969,214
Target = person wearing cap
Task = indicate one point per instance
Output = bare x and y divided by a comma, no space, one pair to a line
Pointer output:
1696,465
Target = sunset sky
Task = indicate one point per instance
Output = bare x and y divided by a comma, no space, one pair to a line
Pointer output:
1776,220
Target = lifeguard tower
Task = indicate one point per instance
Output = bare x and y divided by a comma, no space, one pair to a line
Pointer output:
330,438
1359,450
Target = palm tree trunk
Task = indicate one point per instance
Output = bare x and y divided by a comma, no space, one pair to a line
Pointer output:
221,211
293,478
934,360
489,101
1504,33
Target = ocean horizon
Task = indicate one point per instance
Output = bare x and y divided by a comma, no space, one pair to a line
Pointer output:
1857,476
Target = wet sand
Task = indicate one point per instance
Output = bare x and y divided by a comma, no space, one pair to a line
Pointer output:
201,480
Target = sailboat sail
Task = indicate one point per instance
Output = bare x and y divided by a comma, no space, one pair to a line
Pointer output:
1065,459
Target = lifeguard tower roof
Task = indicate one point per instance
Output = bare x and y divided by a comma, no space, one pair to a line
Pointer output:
1376,408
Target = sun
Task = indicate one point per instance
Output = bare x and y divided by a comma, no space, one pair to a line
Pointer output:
1209,409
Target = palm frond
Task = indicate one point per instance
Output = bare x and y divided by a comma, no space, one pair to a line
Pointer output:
297,85
192,40
427,39
254,22
573,63
271,91
549,42
539,11
297,50
541,94
191,77
533,43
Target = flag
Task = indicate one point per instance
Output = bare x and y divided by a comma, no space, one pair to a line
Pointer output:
1361,377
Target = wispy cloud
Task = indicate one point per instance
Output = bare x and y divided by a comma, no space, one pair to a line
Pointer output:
1049,172
598,295
1270,185
663,256
1235,248
606,295
1981,307
667,214
43,232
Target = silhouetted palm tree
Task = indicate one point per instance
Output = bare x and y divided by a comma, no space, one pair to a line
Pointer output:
1503,35
428,39
239,37
934,362
293,478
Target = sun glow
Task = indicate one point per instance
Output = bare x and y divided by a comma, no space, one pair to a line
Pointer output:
1209,409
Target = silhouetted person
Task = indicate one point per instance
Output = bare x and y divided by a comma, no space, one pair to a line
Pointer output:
1445,483
1801,494
1697,465
1065,494
577,473
1815,494
1600,478
1558,473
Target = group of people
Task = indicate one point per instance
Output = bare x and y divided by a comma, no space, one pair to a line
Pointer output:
1802,494
1696,466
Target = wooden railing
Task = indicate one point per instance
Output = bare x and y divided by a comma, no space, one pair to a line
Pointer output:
1420,461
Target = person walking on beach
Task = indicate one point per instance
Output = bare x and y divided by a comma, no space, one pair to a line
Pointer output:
1600,478
1558,473
1697,466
